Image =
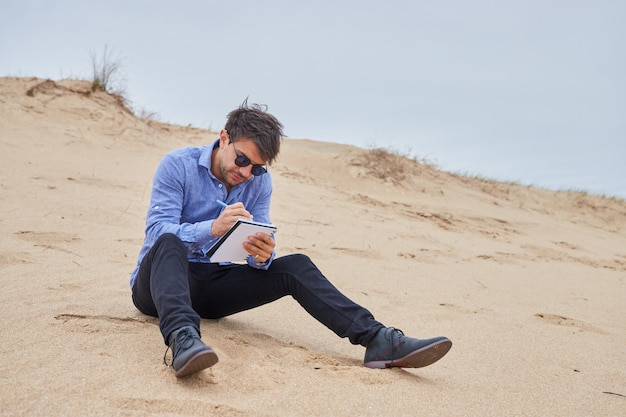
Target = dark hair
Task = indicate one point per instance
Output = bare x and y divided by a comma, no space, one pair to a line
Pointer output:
255,123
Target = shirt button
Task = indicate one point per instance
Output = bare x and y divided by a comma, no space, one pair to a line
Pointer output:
220,185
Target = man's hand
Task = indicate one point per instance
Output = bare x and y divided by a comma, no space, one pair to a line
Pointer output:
228,217
261,246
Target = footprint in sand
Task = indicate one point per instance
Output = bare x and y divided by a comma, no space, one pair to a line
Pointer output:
566,321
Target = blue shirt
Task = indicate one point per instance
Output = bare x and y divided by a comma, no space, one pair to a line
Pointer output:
183,203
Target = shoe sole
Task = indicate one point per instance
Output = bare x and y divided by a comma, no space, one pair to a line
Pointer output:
198,362
417,359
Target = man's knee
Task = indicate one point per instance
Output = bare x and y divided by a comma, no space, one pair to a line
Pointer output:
169,241
169,238
294,263
297,265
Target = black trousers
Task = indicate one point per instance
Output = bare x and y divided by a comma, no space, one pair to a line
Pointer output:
180,293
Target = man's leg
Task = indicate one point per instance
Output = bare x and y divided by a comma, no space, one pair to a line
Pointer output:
162,286
162,290
231,289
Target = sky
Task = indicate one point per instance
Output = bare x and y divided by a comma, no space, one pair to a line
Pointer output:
529,91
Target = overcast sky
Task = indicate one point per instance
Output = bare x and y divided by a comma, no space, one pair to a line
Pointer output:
531,90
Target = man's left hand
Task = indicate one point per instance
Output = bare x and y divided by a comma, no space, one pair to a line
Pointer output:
260,246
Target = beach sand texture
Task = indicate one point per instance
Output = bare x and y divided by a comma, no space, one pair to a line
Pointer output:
529,284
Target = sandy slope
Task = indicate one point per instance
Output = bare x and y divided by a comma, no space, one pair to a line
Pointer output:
529,284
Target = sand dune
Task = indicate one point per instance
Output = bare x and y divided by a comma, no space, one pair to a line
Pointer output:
528,283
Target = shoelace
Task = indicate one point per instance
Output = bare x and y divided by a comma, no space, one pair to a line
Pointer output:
169,365
182,337
391,331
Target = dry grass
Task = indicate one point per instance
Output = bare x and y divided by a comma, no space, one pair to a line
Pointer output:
106,75
389,165
106,70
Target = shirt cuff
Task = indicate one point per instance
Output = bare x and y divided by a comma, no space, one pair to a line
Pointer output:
261,265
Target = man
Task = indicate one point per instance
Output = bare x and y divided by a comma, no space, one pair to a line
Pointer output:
175,281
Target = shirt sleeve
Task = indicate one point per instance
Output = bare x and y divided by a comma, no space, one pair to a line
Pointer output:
166,207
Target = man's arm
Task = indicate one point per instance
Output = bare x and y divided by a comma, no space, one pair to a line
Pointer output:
166,207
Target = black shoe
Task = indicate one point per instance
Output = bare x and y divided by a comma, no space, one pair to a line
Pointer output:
390,347
189,354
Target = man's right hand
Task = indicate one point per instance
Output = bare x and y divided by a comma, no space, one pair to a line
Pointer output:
228,217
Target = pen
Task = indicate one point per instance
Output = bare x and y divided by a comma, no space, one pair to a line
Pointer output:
221,203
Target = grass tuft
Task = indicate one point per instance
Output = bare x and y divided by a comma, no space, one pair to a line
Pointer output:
389,164
105,71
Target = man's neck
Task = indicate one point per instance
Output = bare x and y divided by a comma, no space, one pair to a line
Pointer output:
215,169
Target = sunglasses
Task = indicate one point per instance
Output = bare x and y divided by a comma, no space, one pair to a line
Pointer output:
243,161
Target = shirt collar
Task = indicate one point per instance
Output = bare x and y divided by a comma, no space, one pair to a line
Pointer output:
205,156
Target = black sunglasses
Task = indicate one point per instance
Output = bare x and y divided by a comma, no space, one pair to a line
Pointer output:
243,161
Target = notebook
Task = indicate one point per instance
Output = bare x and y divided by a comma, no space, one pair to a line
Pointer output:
229,247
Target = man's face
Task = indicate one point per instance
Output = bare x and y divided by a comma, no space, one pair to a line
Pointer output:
229,172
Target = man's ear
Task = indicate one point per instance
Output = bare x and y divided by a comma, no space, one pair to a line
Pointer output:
223,138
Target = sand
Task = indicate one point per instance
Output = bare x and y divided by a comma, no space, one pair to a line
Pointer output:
529,284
